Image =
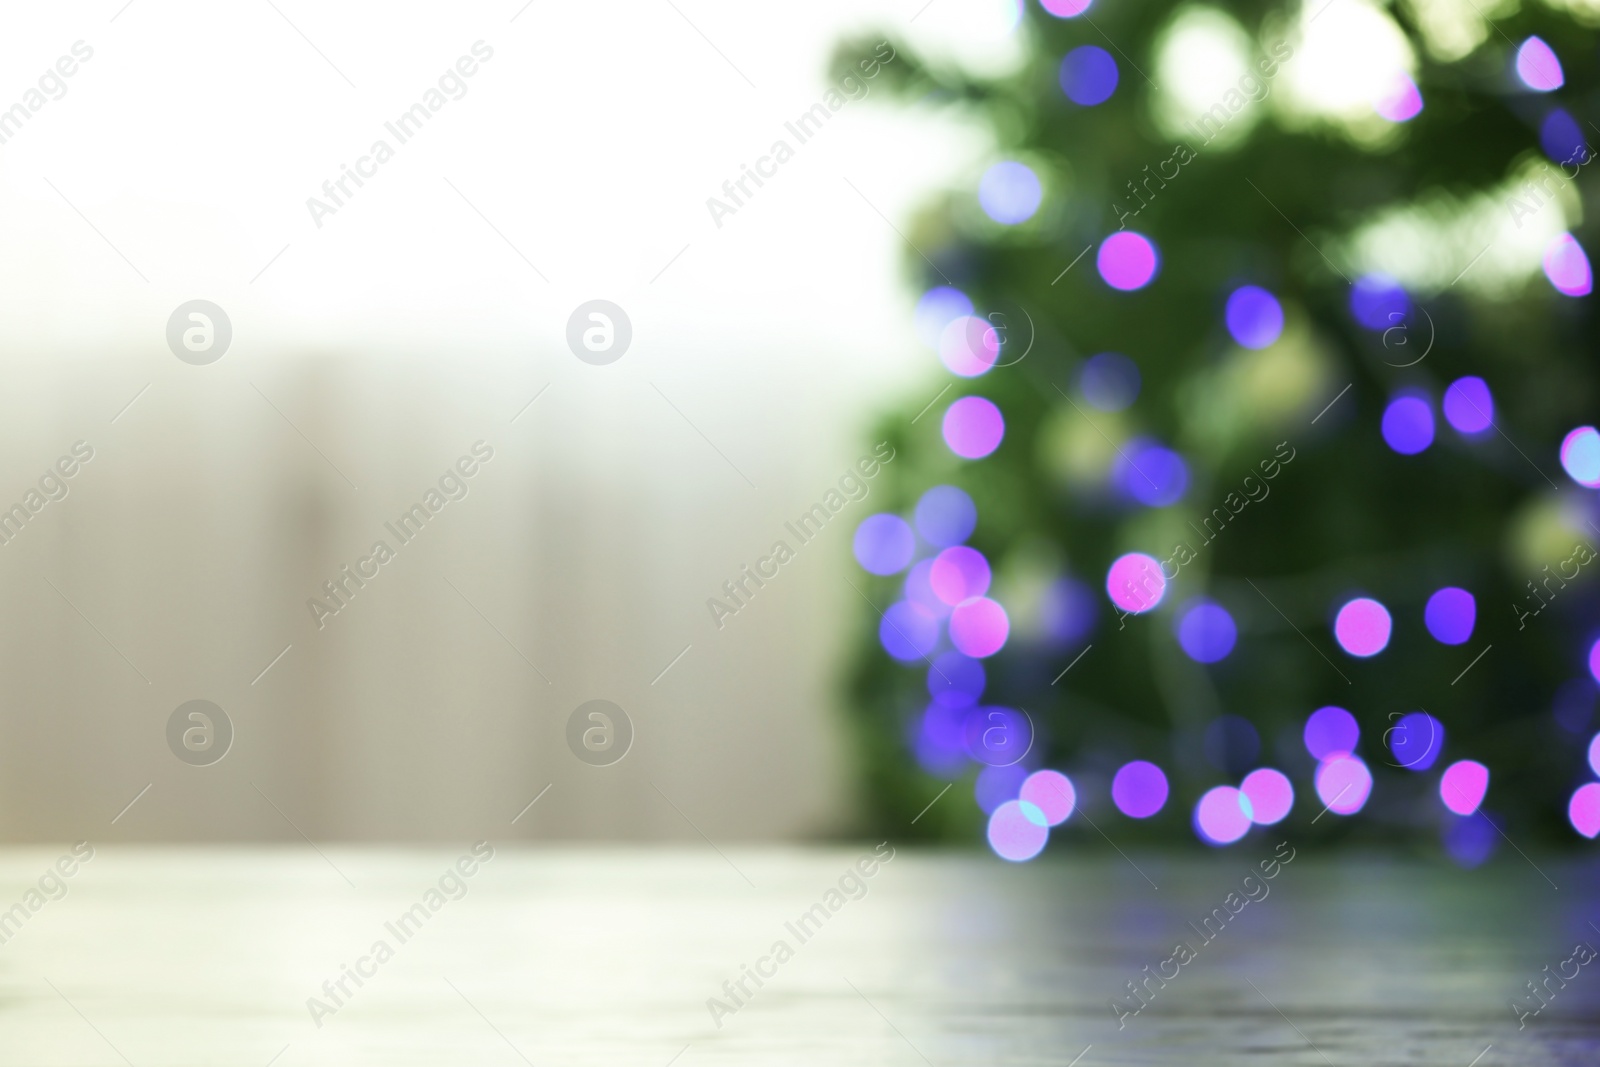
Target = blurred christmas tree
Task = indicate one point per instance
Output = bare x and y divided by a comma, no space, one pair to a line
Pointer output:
1293,302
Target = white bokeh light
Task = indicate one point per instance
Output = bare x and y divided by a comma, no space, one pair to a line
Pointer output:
1199,60
1347,53
1489,243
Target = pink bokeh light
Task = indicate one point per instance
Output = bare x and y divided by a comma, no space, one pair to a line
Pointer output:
1362,627
1567,266
969,346
1400,101
979,627
973,427
1538,66
1343,784
1463,785
1127,260
1052,793
1222,816
1270,794
1065,9
1583,812
1135,582
1014,835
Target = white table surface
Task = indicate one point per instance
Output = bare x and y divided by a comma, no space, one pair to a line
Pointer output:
180,956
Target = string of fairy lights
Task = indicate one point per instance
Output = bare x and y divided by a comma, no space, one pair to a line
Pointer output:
946,621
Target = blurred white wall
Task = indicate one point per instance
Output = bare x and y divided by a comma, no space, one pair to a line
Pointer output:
368,354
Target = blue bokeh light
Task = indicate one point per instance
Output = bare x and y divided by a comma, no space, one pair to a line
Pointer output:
1088,75
946,516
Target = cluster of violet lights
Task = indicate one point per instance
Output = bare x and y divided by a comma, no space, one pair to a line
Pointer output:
945,617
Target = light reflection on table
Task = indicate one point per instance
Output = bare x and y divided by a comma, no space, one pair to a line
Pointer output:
609,956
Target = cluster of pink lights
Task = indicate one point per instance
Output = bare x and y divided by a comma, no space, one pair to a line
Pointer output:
1019,829
1583,811
1225,814
943,593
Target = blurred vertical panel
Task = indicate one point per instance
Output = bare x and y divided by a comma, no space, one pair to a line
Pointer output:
434,702
374,347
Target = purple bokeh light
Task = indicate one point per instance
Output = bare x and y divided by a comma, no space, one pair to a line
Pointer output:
979,627
997,736
996,785
956,681
1408,425
958,574
1331,731
1416,741
1470,841
1378,302
1254,316
1127,260
1567,266
1538,66
1563,139
1139,789
1222,816
1594,661
1013,835
1594,754
1583,811
1343,784
1152,474
884,544
1451,613
1468,405
1109,381
1067,611
1065,9
1362,627
1206,631
937,741
969,346
937,308
1052,793
973,427
1463,785
1088,75
1580,456
1135,583
946,516
1010,193
908,631
1270,794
